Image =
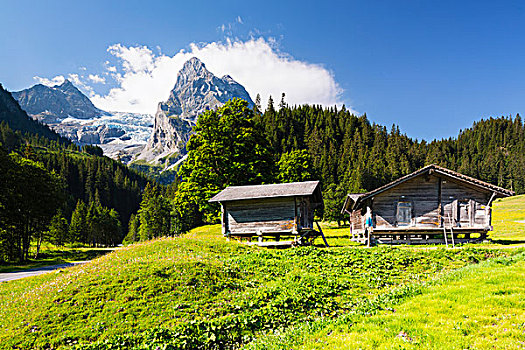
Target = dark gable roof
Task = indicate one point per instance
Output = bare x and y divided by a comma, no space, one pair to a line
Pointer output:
234,193
499,191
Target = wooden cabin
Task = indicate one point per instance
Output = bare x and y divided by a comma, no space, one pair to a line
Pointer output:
270,211
430,205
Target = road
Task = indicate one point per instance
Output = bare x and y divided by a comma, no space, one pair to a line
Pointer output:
9,276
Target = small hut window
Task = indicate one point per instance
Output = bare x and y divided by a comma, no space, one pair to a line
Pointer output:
404,213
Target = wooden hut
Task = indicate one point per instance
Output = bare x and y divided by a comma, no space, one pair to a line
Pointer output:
430,205
270,212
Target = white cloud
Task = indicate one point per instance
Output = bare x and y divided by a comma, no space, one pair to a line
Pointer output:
134,59
257,64
59,79
95,78
239,20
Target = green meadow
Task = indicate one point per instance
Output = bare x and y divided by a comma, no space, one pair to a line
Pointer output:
200,292
509,220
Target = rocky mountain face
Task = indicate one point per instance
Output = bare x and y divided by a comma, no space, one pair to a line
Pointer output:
69,112
195,91
50,104
17,119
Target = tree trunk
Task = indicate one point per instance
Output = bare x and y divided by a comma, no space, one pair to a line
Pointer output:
39,242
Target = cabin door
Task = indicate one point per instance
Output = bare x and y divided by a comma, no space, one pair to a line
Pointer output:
463,213
304,210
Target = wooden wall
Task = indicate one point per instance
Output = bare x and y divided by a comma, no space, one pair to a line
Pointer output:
263,215
457,197
357,222
421,191
461,205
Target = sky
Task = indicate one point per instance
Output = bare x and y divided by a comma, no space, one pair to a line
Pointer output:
432,68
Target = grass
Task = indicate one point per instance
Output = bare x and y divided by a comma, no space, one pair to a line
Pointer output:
53,255
335,235
508,219
199,291
478,307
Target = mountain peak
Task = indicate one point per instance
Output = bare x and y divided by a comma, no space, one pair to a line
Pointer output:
196,91
194,65
194,62
66,83
56,103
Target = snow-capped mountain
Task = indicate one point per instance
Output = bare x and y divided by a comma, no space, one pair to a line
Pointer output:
72,114
131,136
195,91
120,135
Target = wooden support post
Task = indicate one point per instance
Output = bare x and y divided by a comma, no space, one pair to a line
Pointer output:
322,234
440,204
224,220
488,210
260,237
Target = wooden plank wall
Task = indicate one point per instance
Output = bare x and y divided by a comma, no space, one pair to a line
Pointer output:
357,222
421,191
263,215
453,193
305,213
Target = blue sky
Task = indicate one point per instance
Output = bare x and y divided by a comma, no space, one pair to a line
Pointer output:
430,67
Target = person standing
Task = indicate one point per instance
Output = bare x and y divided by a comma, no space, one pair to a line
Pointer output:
369,225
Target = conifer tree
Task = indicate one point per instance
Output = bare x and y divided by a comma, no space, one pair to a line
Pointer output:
78,227
59,229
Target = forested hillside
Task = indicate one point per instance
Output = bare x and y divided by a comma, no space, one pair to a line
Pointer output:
235,145
17,119
359,155
53,190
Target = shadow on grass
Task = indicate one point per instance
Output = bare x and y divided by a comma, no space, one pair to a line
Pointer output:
74,254
54,257
507,241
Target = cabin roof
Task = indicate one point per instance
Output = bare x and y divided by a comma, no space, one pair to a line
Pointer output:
233,193
354,199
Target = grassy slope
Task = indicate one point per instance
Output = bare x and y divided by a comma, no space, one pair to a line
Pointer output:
490,315
201,291
484,310
478,307
509,220
205,292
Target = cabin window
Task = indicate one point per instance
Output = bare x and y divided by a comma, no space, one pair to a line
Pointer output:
404,213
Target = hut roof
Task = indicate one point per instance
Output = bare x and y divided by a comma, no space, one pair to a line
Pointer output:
293,189
354,199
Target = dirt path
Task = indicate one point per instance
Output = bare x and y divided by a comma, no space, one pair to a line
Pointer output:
9,276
